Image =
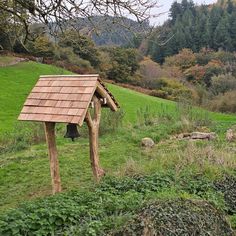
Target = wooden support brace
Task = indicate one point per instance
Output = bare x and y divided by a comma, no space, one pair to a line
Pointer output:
53,156
93,125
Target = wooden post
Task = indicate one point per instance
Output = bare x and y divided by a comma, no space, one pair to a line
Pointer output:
93,125
52,152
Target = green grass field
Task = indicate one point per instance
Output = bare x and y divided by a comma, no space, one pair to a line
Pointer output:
17,81
24,173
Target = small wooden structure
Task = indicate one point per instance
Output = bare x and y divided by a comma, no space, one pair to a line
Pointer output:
68,99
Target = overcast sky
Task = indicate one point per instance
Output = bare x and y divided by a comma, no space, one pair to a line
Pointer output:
165,6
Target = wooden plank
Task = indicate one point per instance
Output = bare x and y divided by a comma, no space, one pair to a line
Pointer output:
45,89
32,102
53,156
101,90
71,104
76,120
52,111
48,103
47,117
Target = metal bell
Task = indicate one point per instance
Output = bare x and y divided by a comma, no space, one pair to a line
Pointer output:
72,132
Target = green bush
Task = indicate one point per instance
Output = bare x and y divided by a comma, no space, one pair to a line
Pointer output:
227,186
171,89
222,84
124,64
224,102
43,47
178,217
81,45
69,56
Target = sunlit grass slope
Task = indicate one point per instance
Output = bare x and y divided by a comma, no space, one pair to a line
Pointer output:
17,81
25,174
15,84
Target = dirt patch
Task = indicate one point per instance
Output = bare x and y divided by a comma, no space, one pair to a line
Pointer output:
10,61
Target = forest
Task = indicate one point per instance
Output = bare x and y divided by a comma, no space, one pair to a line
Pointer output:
195,27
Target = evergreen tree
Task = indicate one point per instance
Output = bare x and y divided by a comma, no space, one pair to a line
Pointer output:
188,26
230,7
222,38
201,36
197,27
232,29
215,16
175,11
179,36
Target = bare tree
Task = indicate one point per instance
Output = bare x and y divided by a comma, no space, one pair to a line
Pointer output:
64,11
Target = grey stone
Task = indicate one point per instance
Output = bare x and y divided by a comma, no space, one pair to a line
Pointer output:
147,142
230,135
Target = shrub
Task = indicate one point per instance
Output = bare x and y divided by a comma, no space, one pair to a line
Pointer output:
204,56
225,102
124,64
184,60
170,89
227,186
43,47
178,217
222,84
81,45
67,54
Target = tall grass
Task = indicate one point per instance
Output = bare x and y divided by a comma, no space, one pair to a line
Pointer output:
22,136
183,116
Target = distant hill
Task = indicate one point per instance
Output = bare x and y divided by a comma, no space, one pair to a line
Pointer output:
112,30
104,30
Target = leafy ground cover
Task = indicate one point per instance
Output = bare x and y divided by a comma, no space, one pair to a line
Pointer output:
173,169
125,206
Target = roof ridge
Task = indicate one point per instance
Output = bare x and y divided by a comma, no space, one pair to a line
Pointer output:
88,75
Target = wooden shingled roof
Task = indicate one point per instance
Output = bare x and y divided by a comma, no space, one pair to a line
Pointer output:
64,98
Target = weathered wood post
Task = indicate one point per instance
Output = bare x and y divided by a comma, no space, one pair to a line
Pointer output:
93,125
53,156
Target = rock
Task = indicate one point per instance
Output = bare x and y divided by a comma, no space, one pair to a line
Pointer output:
147,142
184,136
230,135
197,135
201,135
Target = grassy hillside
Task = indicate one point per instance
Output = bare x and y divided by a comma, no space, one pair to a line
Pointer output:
24,172
17,81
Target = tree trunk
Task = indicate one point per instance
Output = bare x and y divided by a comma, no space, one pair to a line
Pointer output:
93,125
53,156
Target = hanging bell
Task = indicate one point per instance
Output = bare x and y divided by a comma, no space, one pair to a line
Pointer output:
72,132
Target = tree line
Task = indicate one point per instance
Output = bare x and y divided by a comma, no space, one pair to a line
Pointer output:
195,27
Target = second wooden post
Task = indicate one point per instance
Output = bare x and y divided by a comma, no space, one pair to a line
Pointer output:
53,156
93,125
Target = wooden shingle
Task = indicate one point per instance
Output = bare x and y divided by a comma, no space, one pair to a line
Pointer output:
64,98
